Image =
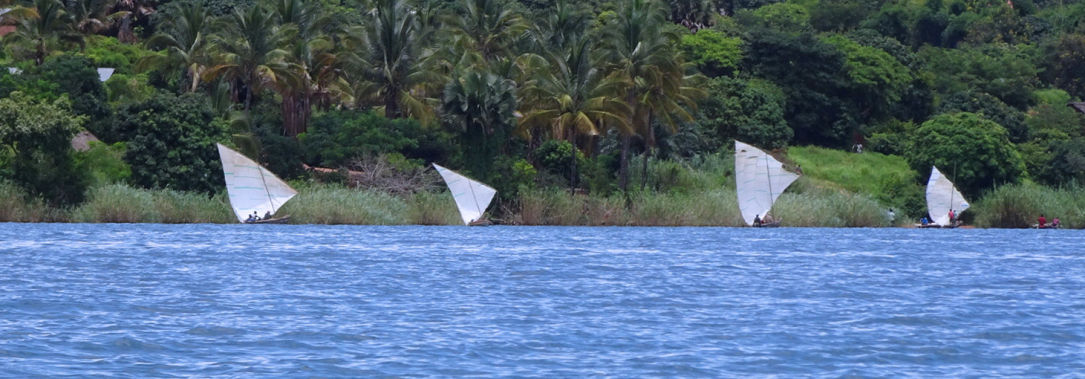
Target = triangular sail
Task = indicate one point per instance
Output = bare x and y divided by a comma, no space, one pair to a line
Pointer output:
252,188
943,196
472,197
759,180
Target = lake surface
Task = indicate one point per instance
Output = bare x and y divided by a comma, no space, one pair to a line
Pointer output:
346,301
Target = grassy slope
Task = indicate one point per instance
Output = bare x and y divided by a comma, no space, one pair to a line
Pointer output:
886,178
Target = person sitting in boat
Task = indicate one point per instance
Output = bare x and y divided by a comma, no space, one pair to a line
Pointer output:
267,215
767,219
251,219
757,220
923,221
1041,221
1055,223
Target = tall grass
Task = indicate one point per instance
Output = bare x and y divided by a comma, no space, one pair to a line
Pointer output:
829,208
428,208
123,204
335,204
1019,205
18,206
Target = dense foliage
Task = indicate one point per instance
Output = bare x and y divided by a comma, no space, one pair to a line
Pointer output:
544,93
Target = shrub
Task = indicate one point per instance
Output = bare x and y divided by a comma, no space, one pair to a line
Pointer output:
172,143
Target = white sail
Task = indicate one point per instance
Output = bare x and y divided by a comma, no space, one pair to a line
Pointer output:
471,197
759,180
252,188
942,197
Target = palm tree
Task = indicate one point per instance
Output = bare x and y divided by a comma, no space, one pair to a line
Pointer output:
642,54
43,28
388,57
486,28
185,40
130,12
92,16
574,98
248,53
312,58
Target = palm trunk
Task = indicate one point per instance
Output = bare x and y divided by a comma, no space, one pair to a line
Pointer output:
575,175
623,168
644,169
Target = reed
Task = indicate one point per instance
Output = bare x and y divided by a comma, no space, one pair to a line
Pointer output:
429,208
1019,205
116,203
176,207
18,206
335,204
824,207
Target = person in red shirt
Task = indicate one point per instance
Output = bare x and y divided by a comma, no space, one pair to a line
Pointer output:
1042,220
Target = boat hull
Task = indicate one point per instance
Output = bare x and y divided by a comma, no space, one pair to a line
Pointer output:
483,222
277,220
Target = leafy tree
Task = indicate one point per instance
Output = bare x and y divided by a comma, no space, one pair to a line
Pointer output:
337,137
877,80
813,75
839,15
38,135
1066,64
78,78
989,107
749,110
1006,72
712,52
172,143
975,152
782,17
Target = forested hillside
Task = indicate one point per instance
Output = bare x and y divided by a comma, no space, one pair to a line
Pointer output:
607,97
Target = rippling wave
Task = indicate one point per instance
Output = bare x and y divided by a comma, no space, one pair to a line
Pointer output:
346,301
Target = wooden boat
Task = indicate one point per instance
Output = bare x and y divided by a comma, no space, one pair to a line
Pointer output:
759,181
472,198
276,220
252,188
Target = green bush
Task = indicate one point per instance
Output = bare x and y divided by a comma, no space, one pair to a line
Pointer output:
336,137
104,163
172,143
36,137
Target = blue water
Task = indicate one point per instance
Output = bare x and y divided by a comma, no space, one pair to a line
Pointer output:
347,301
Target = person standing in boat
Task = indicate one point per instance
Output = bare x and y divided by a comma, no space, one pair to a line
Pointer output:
757,220
952,217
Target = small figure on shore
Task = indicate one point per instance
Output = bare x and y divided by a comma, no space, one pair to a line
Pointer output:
892,216
757,220
1041,221
798,169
